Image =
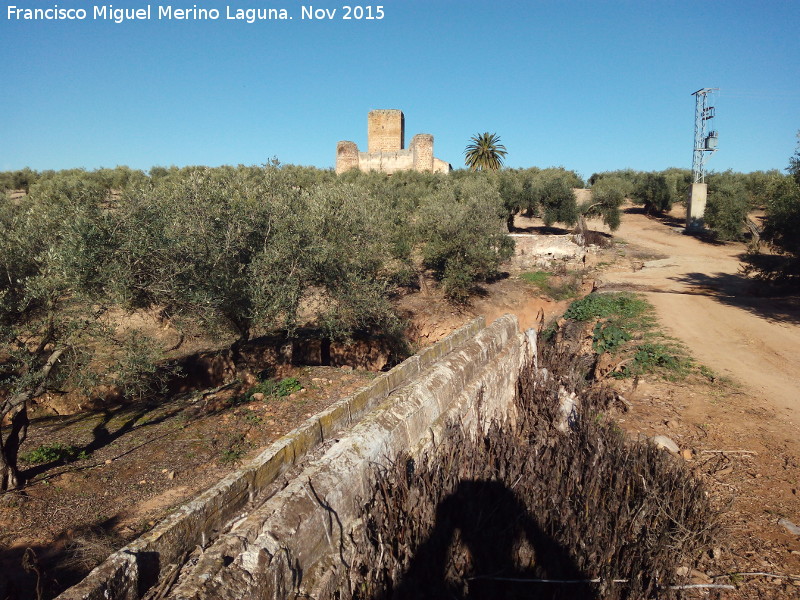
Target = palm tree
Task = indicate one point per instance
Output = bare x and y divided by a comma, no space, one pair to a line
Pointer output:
485,152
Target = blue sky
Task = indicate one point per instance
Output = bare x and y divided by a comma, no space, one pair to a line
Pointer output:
592,86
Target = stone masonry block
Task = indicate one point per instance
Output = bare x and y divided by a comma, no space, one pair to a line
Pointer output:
270,465
385,130
304,438
334,418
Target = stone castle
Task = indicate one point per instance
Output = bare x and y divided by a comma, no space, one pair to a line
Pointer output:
386,150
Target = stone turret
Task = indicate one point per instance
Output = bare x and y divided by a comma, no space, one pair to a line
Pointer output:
422,152
346,156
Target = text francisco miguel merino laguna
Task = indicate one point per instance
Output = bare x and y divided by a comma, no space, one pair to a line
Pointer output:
168,12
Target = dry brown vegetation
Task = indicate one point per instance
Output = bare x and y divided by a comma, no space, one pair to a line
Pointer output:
544,505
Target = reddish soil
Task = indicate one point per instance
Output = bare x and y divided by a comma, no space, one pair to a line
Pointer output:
143,462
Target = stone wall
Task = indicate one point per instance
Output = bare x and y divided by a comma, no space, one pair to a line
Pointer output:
346,156
441,166
136,568
536,251
296,543
386,162
385,130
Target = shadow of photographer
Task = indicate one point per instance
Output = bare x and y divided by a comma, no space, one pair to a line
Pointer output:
485,544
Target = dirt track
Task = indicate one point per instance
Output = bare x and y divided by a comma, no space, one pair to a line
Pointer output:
702,300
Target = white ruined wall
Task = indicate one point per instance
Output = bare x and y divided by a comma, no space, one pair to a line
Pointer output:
531,250
441,166
386,162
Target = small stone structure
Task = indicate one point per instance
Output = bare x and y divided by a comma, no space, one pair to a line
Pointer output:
532,251
386,151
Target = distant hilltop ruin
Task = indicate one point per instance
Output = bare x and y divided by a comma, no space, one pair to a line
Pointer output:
386,150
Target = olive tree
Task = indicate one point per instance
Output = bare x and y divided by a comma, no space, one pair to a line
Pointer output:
464,235
781,229
54,253
552,189
794,162
186,244
246,249
782,220
653,191
608,195
517,191
727,206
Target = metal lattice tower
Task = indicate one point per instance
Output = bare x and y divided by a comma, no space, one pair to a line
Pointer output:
705,136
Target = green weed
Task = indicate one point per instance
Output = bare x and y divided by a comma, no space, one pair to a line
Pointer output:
236,448
231,456
623,306
608,337
556,287
707,373
624,326
252,419
276,389
651,357
47,453
271,389
538,278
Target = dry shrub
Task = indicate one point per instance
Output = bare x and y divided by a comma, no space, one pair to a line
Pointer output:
89,547
596,238
486,517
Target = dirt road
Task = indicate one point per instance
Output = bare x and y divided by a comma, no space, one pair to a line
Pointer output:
702,300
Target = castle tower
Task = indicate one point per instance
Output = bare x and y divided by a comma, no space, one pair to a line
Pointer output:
422,152
385,130
346,156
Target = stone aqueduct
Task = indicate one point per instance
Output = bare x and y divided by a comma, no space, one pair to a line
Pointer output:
251,534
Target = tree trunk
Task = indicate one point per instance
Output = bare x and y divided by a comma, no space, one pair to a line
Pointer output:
580,230
755,231
241,341
17,407
9,475
9,449
510,222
